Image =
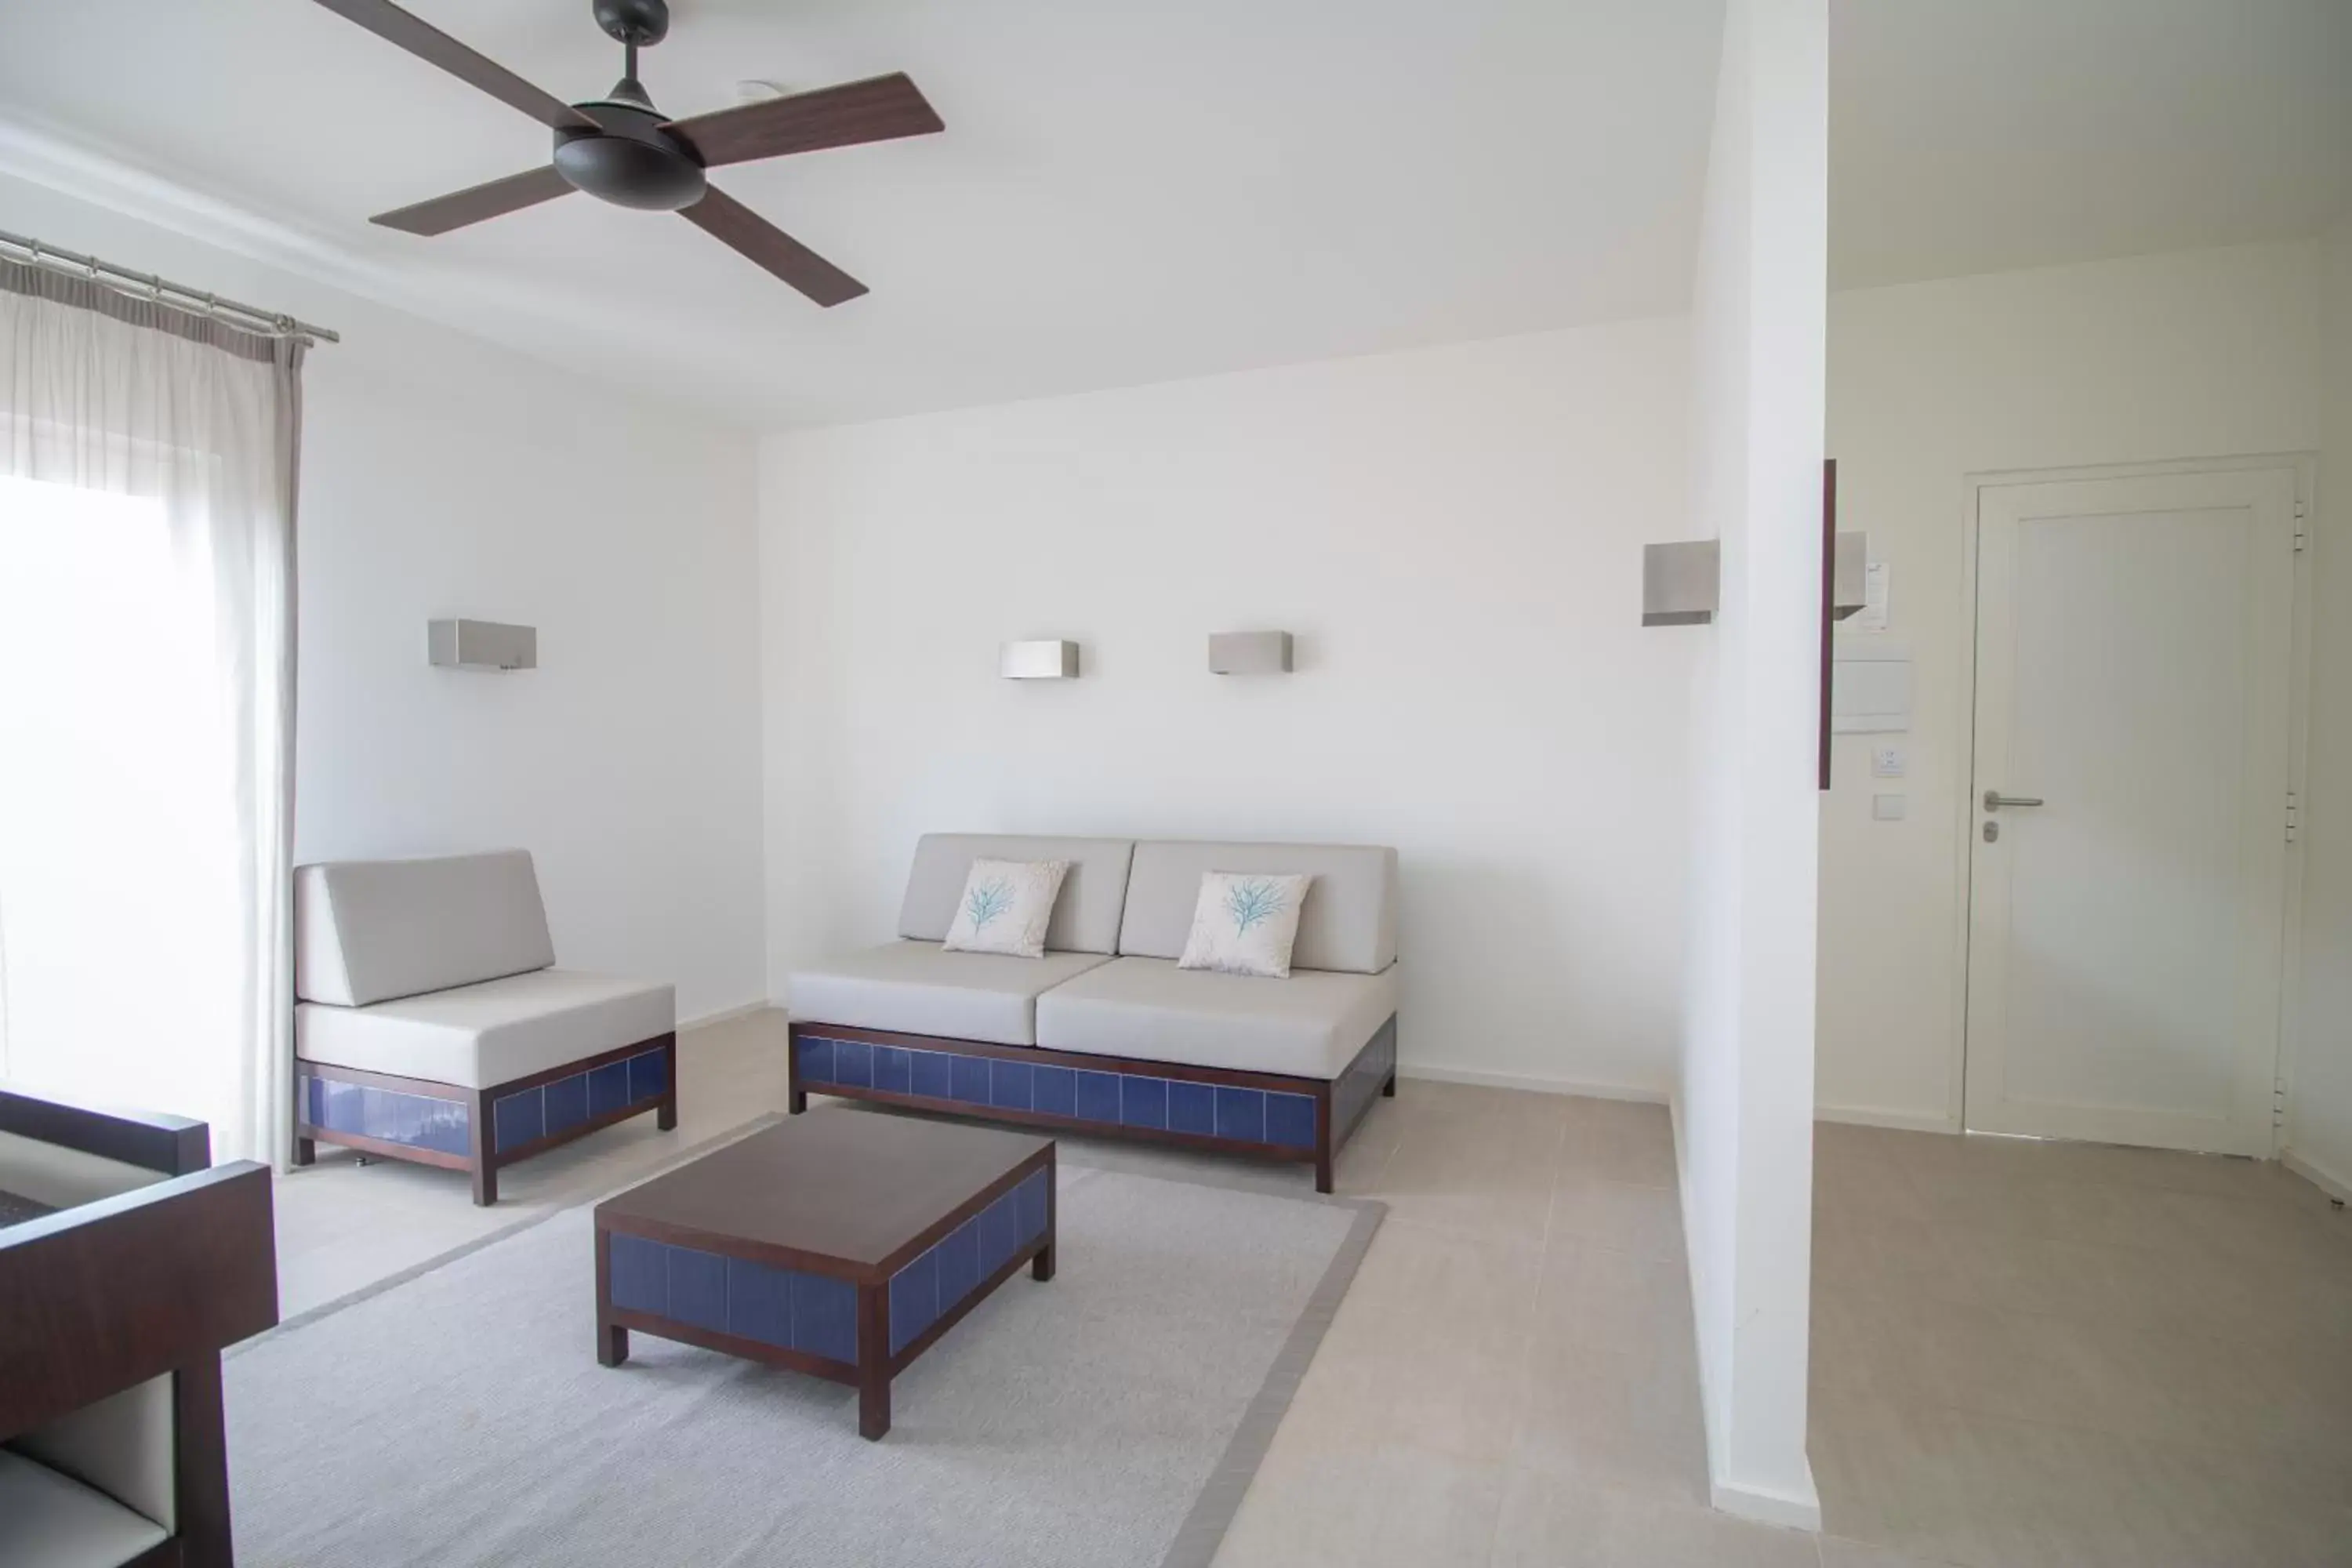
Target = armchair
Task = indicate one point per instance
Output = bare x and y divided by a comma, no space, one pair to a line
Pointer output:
127,1264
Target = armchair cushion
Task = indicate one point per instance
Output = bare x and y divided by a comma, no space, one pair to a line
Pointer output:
480,1036
50,1520
368,930
58,1178
122,1445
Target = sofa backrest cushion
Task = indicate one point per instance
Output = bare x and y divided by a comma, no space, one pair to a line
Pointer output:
369,930
1085,914
1348,922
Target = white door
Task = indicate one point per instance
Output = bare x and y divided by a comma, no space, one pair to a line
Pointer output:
2127,903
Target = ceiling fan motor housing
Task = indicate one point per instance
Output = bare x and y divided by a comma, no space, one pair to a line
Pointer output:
629,160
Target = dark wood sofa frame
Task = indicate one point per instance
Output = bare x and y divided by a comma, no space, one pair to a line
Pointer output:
98,1299
469,1133
1338,1104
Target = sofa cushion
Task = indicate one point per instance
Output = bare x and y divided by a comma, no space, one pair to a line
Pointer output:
492,1033
1347,922
1309,1026
1085,914
919,988
51,1521
368,930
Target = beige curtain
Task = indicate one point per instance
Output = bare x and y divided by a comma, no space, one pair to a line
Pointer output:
148,473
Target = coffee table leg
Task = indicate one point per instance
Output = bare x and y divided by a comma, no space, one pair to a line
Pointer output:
872,1360
1041,1267
612,1344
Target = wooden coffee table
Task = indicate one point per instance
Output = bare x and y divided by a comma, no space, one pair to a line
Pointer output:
842,1245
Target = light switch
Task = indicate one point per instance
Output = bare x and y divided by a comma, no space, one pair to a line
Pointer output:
1886,808
1887,762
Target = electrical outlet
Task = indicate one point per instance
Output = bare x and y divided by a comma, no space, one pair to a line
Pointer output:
1887,762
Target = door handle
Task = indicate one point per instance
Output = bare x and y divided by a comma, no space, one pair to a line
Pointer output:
1994,800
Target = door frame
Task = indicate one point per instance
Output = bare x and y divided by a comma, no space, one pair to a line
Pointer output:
2305,468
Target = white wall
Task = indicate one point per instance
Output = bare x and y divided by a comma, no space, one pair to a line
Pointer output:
2319,1119
2195,354
1453,535
1743,1098
442,476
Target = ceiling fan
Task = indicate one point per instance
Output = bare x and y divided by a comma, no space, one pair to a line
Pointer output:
622,148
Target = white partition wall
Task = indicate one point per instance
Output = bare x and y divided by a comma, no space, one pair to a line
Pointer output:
2319,1115
1744,1088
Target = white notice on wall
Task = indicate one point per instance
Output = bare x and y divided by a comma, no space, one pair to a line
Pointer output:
1870,686
1872,616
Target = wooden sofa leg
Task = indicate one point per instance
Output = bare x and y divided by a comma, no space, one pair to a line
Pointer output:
1388,1090
665,1119
483,1149
306,1150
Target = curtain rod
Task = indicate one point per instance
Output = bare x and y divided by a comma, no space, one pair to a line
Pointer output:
268,323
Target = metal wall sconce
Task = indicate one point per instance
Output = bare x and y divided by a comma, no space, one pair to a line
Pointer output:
480,645
1682,581
1045,661
1249,653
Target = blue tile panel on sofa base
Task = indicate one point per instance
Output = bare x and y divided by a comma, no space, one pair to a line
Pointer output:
552,1108
481,1130
388,1115
1097,1094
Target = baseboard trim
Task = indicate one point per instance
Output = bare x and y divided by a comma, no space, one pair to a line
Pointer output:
1486,1078
726,1014
1769,1506
2318,1175
1872,1116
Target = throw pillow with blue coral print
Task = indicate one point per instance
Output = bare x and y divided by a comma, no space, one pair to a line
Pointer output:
1007,904
1245,923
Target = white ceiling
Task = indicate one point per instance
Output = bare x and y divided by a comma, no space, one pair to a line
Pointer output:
1974,135
1135,190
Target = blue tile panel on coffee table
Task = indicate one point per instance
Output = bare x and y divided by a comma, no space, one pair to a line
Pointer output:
1115,1099
816,1313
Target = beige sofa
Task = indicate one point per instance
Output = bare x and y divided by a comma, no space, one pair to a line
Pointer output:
1105,1033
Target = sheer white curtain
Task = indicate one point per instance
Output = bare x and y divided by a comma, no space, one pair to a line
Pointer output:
147,482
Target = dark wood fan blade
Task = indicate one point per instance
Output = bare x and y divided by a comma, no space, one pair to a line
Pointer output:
459,208
731,223
430,44
879,108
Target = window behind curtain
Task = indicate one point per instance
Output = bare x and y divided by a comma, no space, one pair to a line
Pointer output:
117,963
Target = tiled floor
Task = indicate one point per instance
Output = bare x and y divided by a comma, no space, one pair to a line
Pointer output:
2030,1353
2023,1353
